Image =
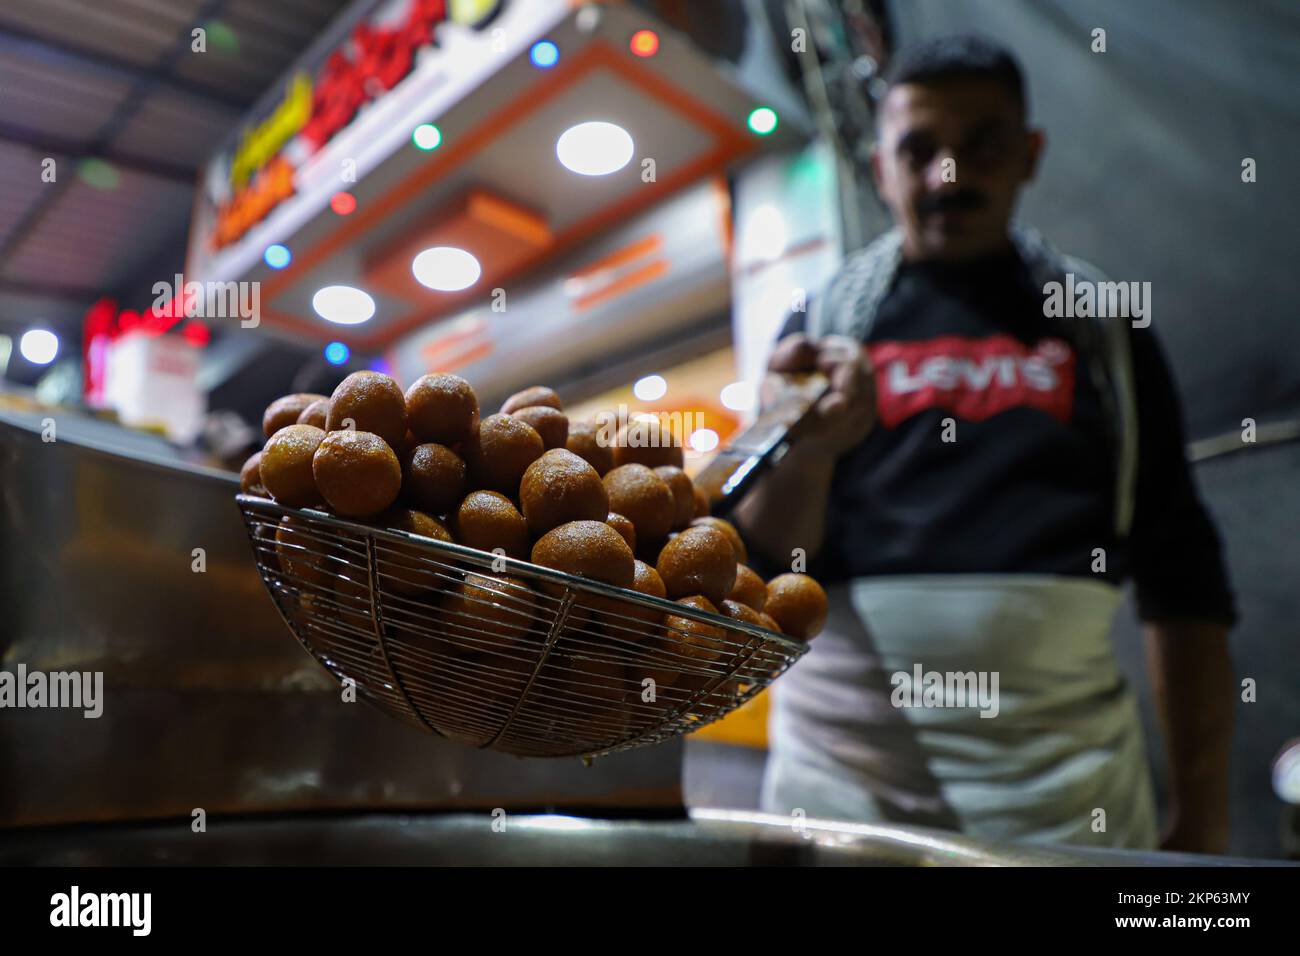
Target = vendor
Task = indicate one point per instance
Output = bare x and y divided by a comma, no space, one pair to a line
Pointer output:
985,472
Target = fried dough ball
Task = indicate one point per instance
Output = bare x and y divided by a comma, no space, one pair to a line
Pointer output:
741,612
488,520
357,473
286,465
679,483
701,501
697,639
537,395
590,549
727,528
551,423
769,622
250,476
433,478
594,694
404,568
304,556
441,408
749,588
500,452
502,607
698,561
560,487
624,527
643,498
286,411
647,442
372,403
798,604
586,441
317,413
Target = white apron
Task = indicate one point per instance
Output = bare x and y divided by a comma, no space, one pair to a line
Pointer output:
1063,740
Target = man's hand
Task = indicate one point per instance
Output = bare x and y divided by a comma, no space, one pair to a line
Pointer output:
846,413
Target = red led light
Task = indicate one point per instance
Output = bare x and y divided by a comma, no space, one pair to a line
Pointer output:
343,203
645,43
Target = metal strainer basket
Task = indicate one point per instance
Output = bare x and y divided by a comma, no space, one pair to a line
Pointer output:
562,667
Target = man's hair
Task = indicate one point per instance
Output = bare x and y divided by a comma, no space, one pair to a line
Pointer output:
959,55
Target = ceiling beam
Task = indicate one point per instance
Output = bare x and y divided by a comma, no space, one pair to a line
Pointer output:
15,41
58,146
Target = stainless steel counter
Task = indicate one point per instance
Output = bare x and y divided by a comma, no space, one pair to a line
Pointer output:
709,838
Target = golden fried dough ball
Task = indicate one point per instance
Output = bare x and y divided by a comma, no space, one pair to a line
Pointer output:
250,476
560,487
286,465
372,403
551,423
727,528
502,608
798,604
590,549
701,501
285,411
741,612
317,413
537,395
643,498
749,588
697,639
500,452
624,527
647,442
698,561
433,478
357,473
769,622
404,568
488,520
586,441
679,483
304,553
441,408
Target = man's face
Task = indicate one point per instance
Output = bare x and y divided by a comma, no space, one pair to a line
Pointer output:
960,209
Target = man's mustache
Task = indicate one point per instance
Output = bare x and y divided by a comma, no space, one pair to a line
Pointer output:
950,202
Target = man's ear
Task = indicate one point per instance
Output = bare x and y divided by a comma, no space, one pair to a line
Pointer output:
1037,145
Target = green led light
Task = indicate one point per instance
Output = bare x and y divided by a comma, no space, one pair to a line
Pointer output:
98,174
763,120
426,136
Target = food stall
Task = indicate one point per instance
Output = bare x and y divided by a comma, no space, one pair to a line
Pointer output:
404,128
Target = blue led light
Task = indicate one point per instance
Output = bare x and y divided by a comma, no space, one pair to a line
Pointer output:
544,54
336,353
277,256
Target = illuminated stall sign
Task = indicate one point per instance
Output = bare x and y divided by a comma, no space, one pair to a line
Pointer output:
368,65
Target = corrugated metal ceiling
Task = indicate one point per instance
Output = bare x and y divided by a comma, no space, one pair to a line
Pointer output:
113,93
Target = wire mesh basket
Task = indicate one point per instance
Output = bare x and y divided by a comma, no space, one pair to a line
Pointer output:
499,653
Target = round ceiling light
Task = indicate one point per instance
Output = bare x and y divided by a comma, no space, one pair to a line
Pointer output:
39,346
343,305
595,148
446,269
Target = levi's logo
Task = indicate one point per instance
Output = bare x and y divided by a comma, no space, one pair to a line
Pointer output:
974,378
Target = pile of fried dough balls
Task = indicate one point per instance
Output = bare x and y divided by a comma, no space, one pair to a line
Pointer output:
535,485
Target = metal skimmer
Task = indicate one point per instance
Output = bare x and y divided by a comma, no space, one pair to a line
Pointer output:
559,667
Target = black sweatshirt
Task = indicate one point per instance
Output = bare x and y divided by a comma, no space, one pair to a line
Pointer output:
1026,482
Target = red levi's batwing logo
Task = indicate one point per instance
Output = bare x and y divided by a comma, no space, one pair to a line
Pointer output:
974,378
